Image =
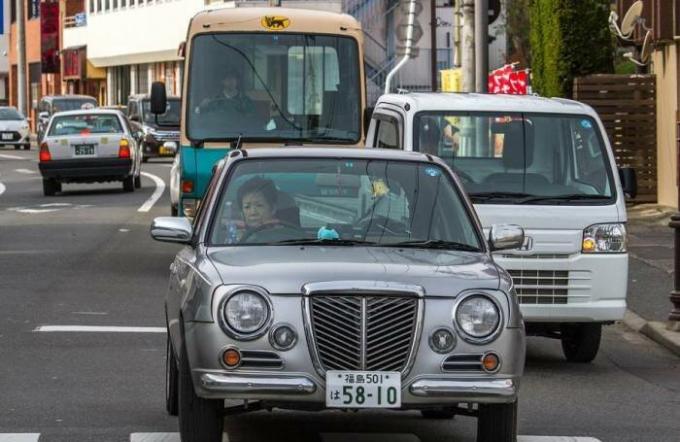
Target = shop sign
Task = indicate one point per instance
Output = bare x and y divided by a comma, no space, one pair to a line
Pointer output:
49,37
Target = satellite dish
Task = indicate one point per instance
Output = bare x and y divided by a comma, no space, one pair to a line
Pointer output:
631,18
646,50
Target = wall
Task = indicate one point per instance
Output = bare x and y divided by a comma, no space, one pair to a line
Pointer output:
665,66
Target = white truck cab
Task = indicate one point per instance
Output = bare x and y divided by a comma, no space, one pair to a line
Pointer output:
546,165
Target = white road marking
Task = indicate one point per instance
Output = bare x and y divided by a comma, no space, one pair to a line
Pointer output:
31,211
90,313
160,187
2,188
96,329
154,437
26,171
124,230
48,208
555,439
332,437
12,157
19,437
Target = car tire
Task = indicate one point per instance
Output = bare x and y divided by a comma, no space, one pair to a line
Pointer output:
200,420
17,147
138,182
438,413
145,159
581,342
497,423
171,379
27,146
128,184
174,211
51,186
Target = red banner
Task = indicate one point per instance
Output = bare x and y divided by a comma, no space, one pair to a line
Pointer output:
507,80
49,37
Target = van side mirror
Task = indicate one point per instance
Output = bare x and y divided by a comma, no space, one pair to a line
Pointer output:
628,179
368,113
43,115
506,236
159,98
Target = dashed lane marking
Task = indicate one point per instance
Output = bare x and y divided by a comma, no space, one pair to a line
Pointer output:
11,157
95,329
2,188
26,171
19,437
155,437
160,187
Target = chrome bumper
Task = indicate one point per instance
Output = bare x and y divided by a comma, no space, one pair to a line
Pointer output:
265,385
466,390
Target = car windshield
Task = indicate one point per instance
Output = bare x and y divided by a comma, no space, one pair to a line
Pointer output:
169,118
343,202
72,104
520,158
85,124
274,86
11,114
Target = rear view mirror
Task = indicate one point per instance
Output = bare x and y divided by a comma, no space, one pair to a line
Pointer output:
506,236
628,179
159,98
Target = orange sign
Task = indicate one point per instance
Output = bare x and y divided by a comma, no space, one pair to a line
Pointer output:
275,22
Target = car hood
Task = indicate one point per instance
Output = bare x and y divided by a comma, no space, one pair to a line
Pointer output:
162,127
286,269
12,124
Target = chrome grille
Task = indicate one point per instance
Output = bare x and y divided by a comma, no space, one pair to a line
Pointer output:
463,363
260,359
166,136
371,332
541,286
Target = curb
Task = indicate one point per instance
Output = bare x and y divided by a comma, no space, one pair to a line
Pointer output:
654,330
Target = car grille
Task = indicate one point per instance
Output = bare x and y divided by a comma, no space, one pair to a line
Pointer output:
372,332
470,362
541,286
164,136
260,359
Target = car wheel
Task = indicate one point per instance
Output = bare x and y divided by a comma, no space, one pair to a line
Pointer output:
128,184
438,413
581,342
51,186
27,146
138,182
200,420
174,211
171,375
145,159
497,423
17,147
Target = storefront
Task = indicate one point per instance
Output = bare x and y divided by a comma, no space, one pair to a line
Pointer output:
80,77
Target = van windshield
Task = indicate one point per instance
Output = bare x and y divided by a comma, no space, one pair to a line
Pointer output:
520,158
169,118
273,86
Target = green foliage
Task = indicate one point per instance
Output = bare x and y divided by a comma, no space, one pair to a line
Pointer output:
568,39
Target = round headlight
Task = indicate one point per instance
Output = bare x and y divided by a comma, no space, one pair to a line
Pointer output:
246,312
477,316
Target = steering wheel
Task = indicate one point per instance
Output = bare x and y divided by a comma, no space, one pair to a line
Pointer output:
268,226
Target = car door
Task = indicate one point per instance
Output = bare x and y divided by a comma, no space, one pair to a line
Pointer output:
386,130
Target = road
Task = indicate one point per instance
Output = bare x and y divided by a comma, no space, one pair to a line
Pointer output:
84,258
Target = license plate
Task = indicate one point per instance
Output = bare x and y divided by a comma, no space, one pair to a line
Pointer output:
363,389
165,151
7,136
85,149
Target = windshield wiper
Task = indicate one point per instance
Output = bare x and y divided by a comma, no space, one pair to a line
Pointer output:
486,196
563,198
434,244
329,242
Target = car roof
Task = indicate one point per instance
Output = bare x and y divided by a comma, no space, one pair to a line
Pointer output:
457,101
68,97
96,111
334,152
147,97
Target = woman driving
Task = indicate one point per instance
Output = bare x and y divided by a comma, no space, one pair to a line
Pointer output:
257,200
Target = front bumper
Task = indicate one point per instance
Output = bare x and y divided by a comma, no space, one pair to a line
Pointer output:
153,147
90,169
262,384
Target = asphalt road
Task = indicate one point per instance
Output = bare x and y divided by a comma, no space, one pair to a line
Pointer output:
85,258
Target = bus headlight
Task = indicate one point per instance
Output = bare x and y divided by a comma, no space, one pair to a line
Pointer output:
604,238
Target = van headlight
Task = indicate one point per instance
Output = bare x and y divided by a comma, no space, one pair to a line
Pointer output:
246,314
477,318
604,238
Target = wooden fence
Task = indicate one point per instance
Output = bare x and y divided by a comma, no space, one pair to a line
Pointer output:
627,106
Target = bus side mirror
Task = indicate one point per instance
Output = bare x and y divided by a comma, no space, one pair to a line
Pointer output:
368,113
628,181
159,99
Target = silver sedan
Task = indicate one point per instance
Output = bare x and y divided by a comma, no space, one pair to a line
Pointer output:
339,279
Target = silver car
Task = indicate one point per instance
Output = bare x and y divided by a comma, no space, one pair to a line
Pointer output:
322,279
86,146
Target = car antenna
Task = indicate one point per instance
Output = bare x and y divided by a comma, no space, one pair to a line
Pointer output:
237,144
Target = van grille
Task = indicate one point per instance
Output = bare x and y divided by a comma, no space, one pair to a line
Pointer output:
541,286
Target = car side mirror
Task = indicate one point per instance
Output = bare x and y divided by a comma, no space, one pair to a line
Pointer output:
134,118
506,236
159,98
172,229
43,115
368,113
628,179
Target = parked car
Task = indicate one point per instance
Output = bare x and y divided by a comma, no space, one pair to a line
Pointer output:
14,128
89,146
51,104
159,133
318,278
547,165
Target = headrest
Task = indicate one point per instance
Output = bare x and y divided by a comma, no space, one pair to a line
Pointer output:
518,150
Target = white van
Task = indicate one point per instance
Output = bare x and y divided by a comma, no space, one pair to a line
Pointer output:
545,164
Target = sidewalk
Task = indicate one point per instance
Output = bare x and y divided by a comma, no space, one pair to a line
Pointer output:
650,274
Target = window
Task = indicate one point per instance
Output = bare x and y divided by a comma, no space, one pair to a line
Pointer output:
387,133
91,6
312,71
85,124
99,5
123,3
107,5
115,4
132,2
33,9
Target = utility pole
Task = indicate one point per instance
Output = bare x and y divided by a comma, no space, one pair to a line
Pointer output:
21,58
468,46
457,23
433,44
482,45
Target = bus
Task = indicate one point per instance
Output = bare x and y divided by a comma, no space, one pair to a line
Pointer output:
265,77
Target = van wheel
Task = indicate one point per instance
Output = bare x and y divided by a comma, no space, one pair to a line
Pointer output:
17,147
171,378
438,413
51,186
497,423
200,420
27,146
138,182
581,342
128,184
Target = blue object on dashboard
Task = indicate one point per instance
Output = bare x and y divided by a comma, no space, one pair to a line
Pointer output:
326,233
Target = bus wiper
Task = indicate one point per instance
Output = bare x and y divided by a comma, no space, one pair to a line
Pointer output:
563,198
434,244
486,196
315,241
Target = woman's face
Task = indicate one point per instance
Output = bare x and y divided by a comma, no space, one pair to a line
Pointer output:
256,209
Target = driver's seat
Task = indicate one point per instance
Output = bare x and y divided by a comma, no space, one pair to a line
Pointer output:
287,210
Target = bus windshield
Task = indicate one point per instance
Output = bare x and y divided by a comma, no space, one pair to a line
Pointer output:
274,87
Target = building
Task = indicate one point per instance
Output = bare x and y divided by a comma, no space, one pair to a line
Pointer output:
4,55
